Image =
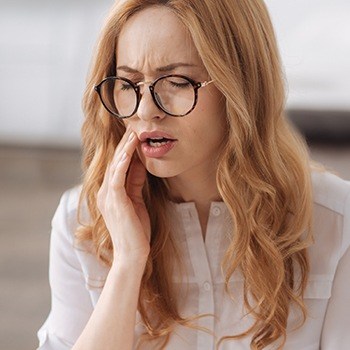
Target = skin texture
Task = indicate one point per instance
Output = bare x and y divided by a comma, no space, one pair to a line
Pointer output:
190,166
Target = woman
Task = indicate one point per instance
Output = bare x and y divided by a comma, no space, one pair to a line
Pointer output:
201,224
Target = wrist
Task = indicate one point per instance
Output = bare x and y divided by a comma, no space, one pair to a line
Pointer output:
123,263
135,258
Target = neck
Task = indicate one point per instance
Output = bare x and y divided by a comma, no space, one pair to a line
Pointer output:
200,188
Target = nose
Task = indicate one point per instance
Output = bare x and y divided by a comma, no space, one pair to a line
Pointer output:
147,109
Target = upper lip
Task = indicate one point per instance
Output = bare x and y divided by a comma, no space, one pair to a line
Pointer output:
156,134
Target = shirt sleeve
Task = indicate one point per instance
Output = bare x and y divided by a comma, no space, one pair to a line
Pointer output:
336,328
71,305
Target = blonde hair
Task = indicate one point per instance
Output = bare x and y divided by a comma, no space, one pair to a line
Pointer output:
263,175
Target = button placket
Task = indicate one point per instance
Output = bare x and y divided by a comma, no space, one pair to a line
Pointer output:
200,263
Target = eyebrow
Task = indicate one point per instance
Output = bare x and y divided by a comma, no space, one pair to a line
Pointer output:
167,68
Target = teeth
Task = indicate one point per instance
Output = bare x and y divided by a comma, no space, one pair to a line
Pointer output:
157,144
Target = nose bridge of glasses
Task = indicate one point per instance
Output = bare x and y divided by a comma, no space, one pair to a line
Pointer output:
145,100
144,83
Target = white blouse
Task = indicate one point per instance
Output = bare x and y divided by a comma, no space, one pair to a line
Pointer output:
77,278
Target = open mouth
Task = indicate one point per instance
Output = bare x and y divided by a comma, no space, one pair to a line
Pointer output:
158,142
157,146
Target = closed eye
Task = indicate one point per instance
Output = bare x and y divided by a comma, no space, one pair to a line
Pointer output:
125,87
181,85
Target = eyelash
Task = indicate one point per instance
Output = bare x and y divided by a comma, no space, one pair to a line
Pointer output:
125,87
180,86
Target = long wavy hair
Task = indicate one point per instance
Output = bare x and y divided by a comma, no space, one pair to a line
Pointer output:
263,174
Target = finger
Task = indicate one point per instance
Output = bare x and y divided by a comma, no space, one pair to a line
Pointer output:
135,180
129,147
110,169
117,155
121,168
124,140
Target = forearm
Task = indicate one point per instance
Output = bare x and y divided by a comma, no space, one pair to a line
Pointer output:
112,323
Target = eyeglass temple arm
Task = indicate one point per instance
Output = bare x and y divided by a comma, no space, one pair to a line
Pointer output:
205,83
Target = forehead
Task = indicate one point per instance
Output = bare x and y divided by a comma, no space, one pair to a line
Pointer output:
155,37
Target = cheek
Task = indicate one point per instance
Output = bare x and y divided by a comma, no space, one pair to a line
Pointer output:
128,123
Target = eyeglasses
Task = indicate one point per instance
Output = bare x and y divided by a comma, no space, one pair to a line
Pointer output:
174,94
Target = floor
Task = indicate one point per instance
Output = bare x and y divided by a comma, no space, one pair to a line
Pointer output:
31,182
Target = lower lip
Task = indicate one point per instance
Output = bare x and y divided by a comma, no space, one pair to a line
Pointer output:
156,152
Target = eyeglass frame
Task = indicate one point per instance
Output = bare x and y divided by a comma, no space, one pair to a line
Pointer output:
196,86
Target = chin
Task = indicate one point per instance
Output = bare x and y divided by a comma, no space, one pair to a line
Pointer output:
159,168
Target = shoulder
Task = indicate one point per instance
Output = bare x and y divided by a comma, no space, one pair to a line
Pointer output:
331,197
69,216
70,200
331,191
66,215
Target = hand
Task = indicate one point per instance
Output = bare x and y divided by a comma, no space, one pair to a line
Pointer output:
121,203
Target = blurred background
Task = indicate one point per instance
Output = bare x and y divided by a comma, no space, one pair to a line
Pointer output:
45,50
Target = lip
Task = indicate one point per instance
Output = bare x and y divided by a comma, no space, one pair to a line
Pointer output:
154,135
156,152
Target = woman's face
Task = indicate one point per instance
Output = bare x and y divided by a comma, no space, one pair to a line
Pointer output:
154,43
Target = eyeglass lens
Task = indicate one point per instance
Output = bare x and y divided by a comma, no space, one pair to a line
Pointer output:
175,95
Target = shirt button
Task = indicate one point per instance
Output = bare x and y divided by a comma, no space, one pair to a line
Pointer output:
216,211
206,286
